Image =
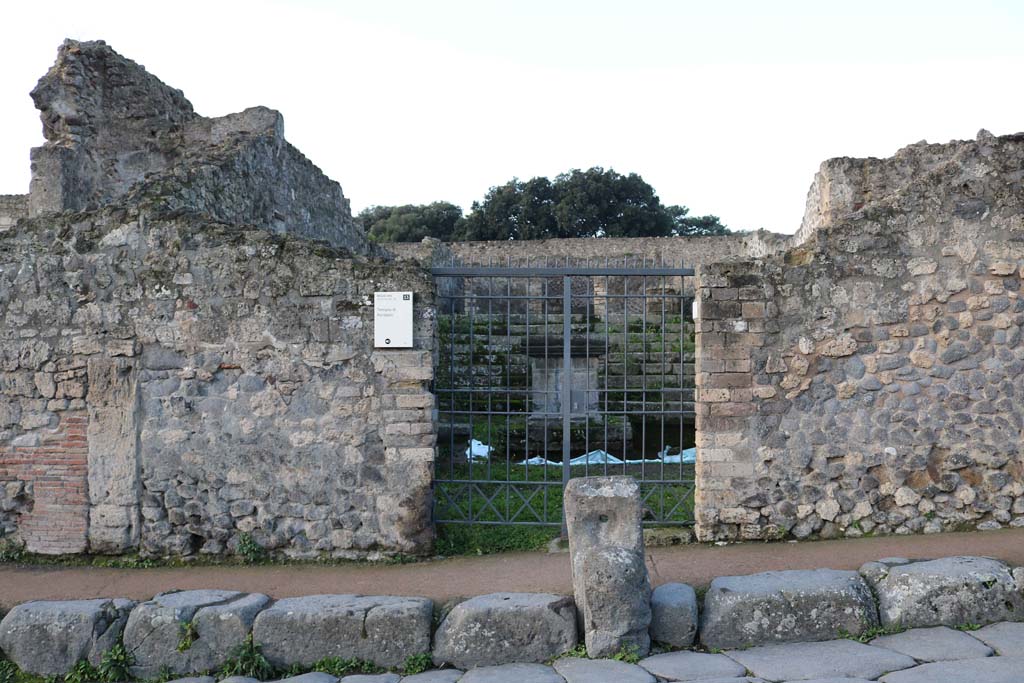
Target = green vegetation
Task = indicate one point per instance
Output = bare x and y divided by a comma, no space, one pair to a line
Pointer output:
115,665
591,203
339,666
247,660
250,551
630,654
486,539
82,672
968,627
872,632
8,671
417,664
187,634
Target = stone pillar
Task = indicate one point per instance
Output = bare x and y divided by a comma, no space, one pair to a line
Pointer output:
114,489
730,328
609,577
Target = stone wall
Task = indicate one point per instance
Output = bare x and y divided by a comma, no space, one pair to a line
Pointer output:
114,131
181,366
689,250
13,207
868,381
217,381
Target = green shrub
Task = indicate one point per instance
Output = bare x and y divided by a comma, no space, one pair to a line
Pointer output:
338,667
417,664
249,550
247,660
115,665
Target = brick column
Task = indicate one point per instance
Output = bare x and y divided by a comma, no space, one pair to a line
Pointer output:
730,327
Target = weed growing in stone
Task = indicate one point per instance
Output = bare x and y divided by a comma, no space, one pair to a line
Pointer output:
82,672
8,671
187,634
630,654
417,664
115,665
247,660
338,667
968,627
251,551
872,632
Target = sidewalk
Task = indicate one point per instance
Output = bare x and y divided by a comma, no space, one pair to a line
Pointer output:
535,572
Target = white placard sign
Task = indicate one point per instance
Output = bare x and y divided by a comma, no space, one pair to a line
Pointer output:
392,320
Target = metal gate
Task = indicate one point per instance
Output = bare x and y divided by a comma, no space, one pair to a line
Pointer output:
552,371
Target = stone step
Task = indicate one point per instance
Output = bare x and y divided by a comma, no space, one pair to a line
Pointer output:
786,606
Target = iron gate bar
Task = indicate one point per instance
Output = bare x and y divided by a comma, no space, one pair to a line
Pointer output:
486,494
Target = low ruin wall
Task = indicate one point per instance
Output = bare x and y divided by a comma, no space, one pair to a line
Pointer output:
173,386
868,381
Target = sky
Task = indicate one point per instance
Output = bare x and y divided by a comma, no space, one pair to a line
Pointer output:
726,107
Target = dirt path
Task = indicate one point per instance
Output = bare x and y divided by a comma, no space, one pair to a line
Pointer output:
445,579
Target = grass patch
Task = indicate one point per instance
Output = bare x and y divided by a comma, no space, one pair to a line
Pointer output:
485,539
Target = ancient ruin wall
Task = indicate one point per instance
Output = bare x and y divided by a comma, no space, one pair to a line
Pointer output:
215,381
690,250
13,207
869,381
115,132
181,368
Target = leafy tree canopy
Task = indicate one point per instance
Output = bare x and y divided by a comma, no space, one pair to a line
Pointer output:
591,203
411,223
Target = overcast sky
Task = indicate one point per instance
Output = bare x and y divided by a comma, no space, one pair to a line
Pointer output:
725,107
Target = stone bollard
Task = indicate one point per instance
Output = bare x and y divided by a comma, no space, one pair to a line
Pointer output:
609,577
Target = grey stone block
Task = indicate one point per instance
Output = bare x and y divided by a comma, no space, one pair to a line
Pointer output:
372,678
576,670
195,679
384,630
512,673
785,606
220,621
692,666
239,679
674,615
934,644
946,592
503,628
834,658
610,582
439,676
48,638
988,670
1006,638
311,677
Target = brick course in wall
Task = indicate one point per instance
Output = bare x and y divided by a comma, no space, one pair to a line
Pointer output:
55,469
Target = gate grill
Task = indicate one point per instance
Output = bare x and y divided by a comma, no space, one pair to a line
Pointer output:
547,372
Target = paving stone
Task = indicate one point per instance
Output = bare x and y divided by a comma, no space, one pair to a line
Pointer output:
829,680
578,670
48,637
937,644
384,630
439,676
692,666
785,606
946,592
1006,638
988,670
221,621
512,673
674,614
239,679
194,679
311,677
502,628
372,678
801,661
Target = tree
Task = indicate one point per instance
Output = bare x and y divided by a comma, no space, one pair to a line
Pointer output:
684,225
591,203
411,223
